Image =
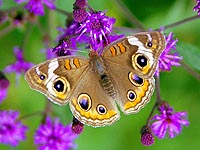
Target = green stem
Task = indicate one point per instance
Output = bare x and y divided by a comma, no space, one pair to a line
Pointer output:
180,22
158,97
31,115
26,36
190,70
133,19
63,12
6,30
158,100
151,114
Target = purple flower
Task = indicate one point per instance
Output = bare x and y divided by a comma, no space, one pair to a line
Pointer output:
4,84
197,7
98,26
168,121
147,138
54,136
81,3
168,58
20,66
12,131
77,126
36,6
0,3
69,30
62,49
67,41
80,14
49,54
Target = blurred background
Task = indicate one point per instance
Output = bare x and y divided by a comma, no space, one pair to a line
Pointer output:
178,87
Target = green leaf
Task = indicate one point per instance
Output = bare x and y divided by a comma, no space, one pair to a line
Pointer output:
190,53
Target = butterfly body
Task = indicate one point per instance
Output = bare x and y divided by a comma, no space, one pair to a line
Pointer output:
100,69
122,74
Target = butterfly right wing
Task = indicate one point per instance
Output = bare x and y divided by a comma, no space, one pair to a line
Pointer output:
132,62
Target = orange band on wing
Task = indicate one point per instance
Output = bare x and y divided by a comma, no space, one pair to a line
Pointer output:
113,51
122,48
76,62
67,64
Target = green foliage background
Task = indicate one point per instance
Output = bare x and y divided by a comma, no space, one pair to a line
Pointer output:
178,87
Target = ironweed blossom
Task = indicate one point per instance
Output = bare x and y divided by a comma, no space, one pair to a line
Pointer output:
77,126
169,57
36,6
147,138
12,131
168,121
197,7
52,135
98,26
20,66
4,84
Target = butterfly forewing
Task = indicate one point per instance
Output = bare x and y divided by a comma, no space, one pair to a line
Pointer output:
141,51
57,78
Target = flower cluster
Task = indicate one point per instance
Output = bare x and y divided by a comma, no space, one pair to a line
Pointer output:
147,138
4,84
92,28
168,121
197,7
20,66
98,26
36,6
12,131
169,57
52,135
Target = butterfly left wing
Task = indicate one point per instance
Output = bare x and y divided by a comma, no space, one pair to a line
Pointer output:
57,78
71,79
132,62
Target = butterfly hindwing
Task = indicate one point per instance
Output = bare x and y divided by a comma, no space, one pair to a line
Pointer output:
91,105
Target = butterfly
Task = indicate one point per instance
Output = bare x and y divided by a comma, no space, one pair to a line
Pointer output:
121,75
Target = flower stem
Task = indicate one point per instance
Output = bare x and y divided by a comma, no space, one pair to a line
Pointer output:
129,15
190,70
151,113
63,12
6,30
180,22
26,36
31,115
158,99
